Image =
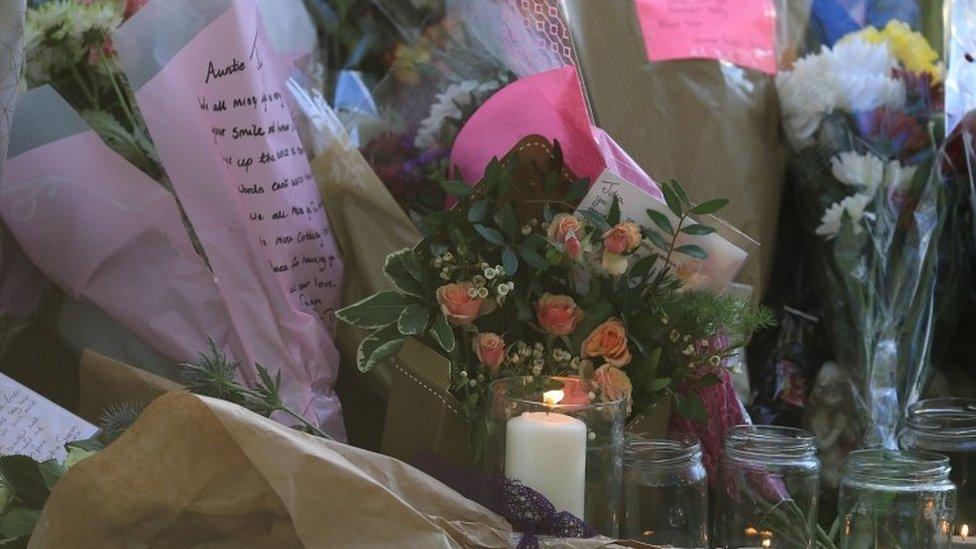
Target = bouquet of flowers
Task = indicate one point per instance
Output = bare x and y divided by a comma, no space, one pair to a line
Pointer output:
863,119
435,85
516,281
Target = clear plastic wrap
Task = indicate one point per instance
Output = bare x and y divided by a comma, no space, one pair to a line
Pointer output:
864,117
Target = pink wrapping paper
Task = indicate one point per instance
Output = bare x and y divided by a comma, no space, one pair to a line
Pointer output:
737,31
105,232
217,113
550,104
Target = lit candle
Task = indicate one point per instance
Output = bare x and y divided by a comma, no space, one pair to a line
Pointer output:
547,452
964,539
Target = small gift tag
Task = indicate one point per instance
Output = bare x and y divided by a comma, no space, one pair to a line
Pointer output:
740,31
34,426
713,273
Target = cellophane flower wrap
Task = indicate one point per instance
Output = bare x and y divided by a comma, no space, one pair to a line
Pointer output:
863,117
408,124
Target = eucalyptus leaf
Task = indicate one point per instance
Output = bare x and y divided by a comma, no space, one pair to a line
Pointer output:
457,188
710,206
510,261
692,250
533,258
672,200
489,234
697,229
478,211
658,240
661,221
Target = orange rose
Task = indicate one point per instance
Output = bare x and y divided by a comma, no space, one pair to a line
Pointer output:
564,226
622,238
457,304
608,340
614,383
490,350
558,315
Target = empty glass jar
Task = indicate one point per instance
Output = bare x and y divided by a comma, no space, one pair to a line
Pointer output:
665,491
895,500
769,489
948,426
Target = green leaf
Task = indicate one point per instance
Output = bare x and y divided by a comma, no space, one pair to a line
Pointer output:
478,211
489,234
383,353
661,221
510,261
709,207
680,191
671,199
18,522
508,221
692,250
457,188
643,266
405,270
413,319
534,259
614,216
658,240
442,333
691,407
577,190
708,380
24,475
657,383
697,229
375,311
51,471
370,344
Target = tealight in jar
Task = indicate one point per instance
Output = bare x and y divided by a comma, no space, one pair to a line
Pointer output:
665,491
948,426
895,499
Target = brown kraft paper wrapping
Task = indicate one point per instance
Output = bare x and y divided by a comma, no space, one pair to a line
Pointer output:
714,129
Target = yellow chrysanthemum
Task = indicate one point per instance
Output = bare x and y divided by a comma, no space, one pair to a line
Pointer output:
910,48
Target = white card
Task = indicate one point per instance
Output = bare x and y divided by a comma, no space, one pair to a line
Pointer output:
714,273
34,426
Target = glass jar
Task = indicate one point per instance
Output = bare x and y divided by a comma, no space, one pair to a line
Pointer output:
948,426
561,437
769,488
890,499
665,491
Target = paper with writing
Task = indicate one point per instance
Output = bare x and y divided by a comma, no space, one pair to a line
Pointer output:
214,102
737,31
33,426
714,273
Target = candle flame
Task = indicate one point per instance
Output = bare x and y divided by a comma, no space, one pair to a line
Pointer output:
767,542
751,532
552,398
964,531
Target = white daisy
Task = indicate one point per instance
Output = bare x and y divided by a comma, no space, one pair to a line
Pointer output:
853,206
447,106
864,171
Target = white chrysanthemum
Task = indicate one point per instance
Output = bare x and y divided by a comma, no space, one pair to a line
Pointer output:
855,75
58,35
447,106
897,175
864,171
853,206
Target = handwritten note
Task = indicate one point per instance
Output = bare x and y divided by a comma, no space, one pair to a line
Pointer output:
34,426
714,273
737,31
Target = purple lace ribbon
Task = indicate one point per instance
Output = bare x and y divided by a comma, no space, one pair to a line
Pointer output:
525,509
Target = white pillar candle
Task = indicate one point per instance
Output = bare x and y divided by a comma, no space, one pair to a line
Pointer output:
546,451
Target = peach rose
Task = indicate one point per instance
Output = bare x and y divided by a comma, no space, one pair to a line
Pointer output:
622,238
608,340
457,304
614,383
564,226
490,350
613,263
692,274
558,315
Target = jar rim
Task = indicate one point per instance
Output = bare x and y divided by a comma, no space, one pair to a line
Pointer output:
896,467
769,443
662,450
504,383
944,418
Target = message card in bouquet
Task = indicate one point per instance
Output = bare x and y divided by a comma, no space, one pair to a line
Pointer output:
33,426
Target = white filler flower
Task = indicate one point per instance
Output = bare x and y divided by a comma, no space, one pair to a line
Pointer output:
447,106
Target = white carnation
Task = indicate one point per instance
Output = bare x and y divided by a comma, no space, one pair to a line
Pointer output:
864,171
447,106
855,76
853,206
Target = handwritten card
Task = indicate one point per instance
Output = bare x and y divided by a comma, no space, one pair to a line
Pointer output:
738,31
33,426
714,273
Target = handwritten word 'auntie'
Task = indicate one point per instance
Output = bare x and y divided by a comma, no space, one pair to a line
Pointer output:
235,66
